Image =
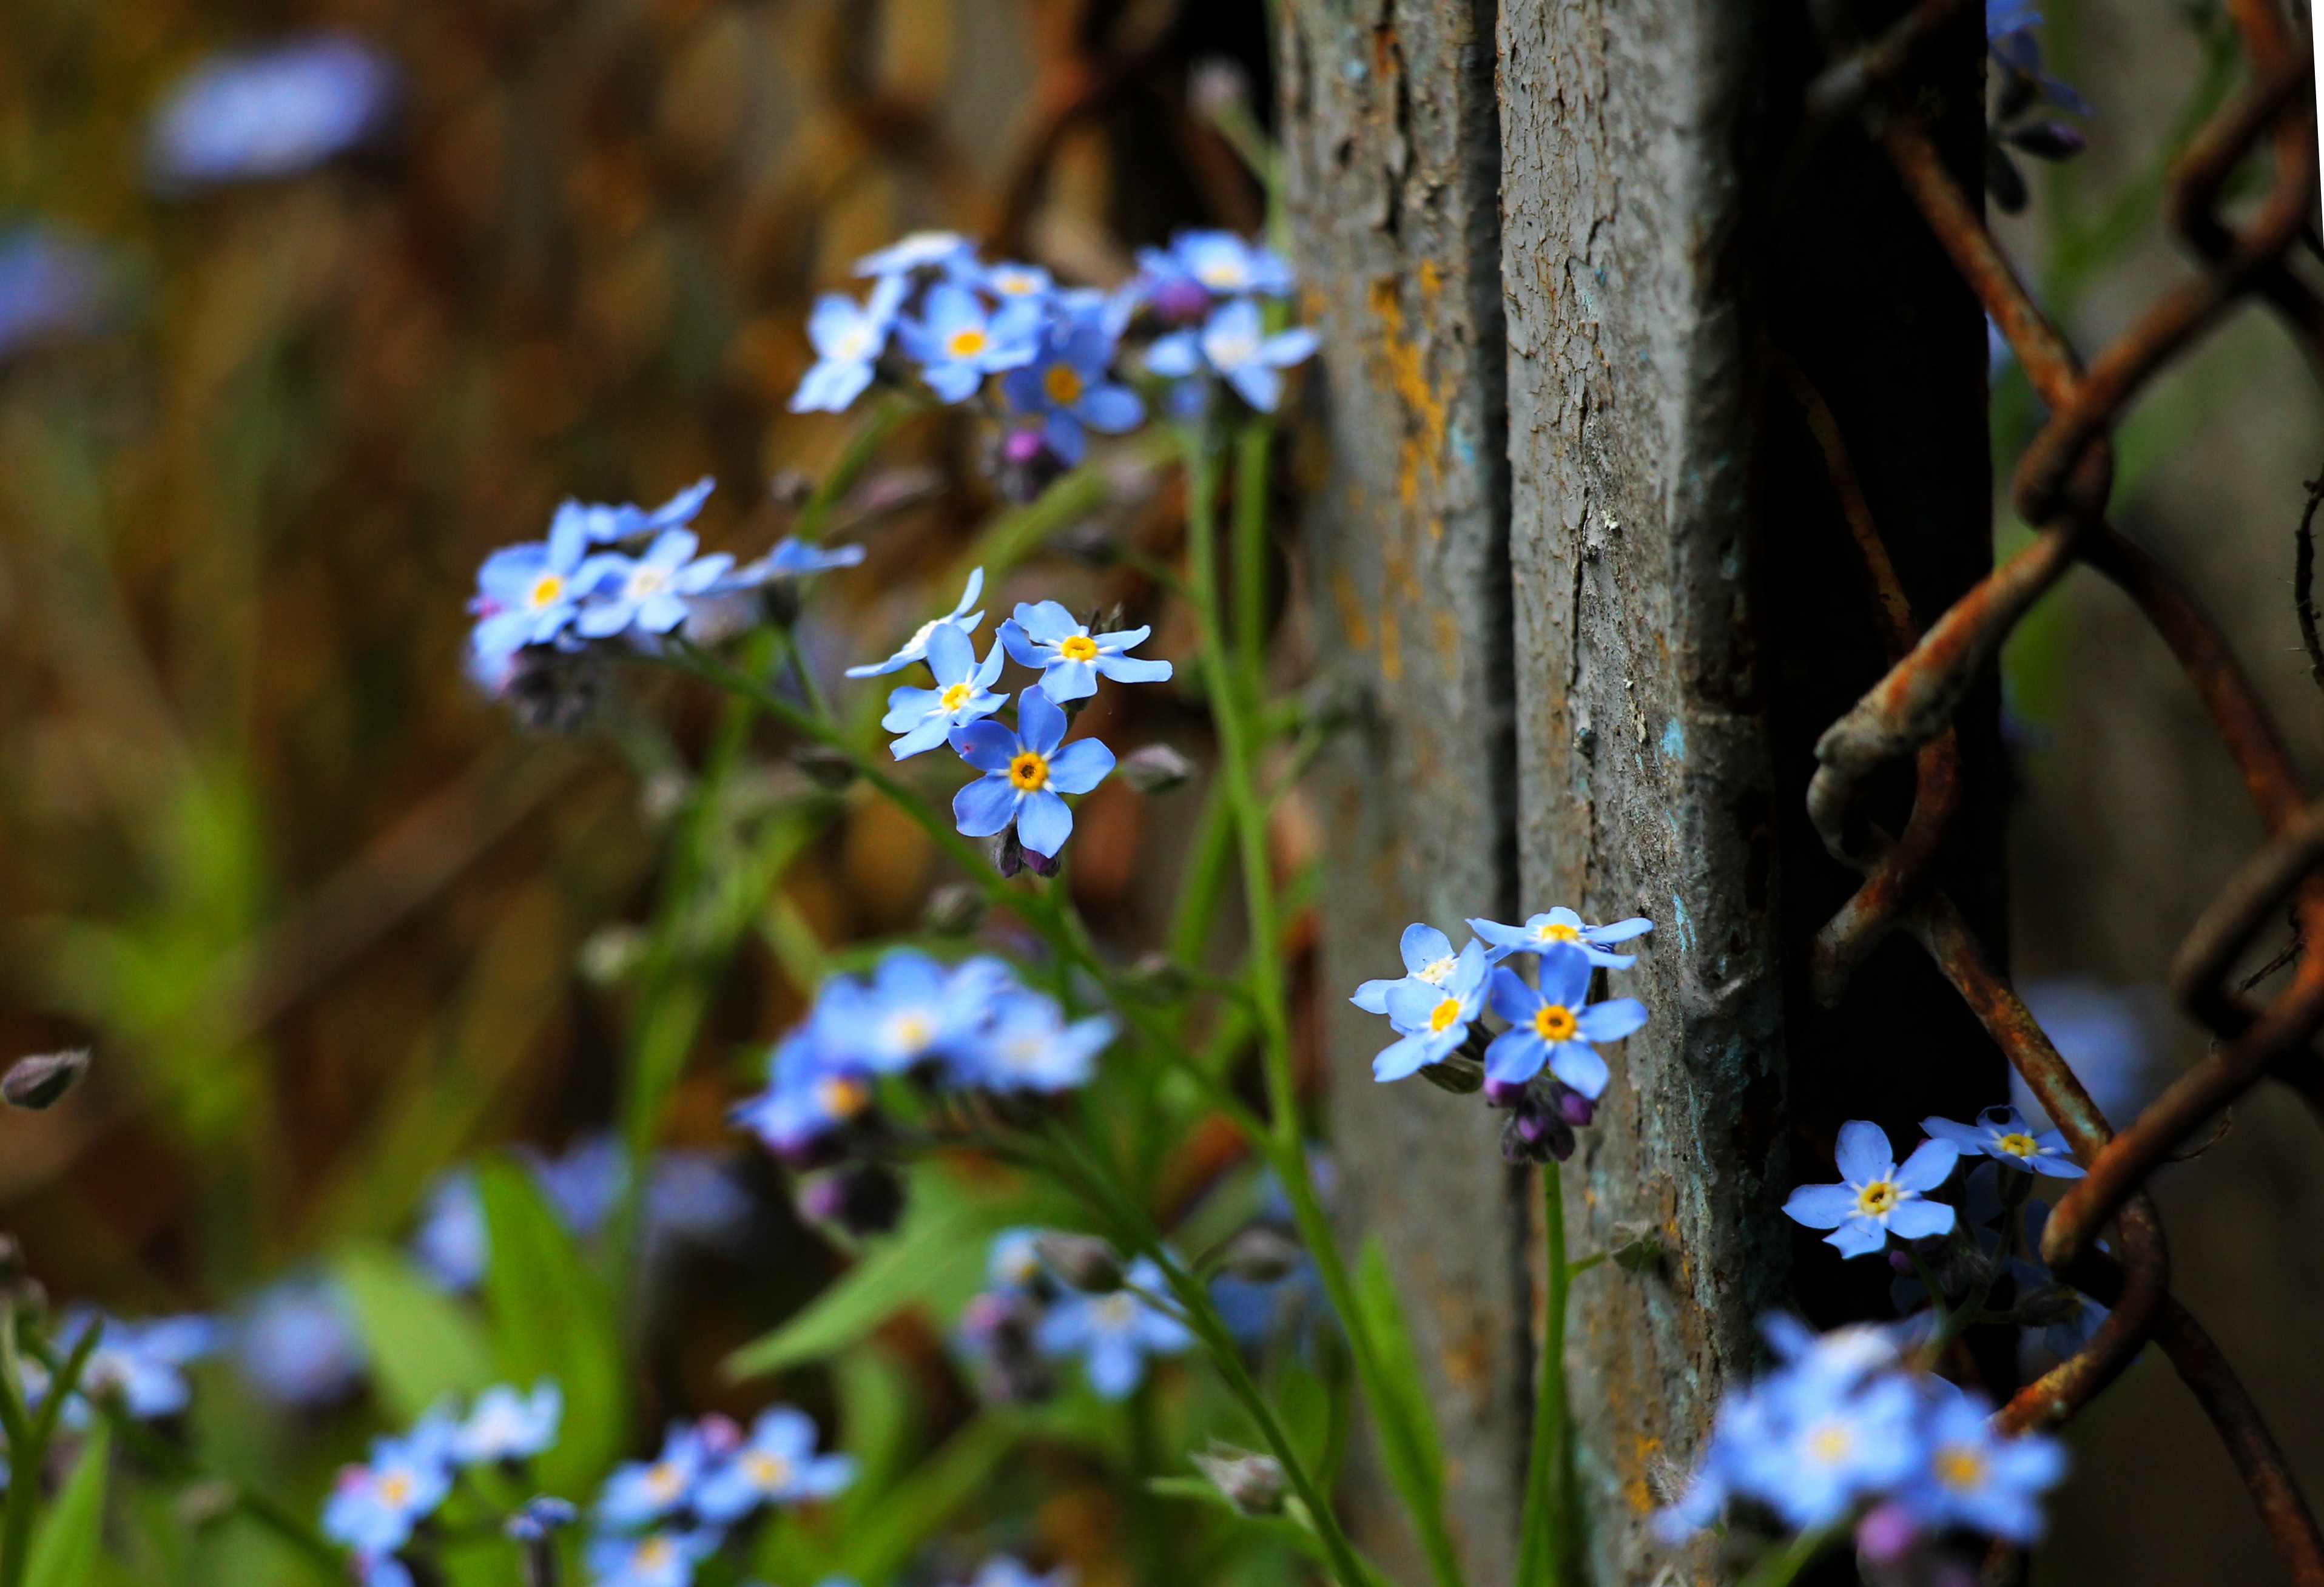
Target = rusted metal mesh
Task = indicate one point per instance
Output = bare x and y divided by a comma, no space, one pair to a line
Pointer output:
2060,485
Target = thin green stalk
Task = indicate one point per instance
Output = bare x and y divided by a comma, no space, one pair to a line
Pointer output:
1232,698
885,417
1547,1553
1253,451
1778,1569
26,1454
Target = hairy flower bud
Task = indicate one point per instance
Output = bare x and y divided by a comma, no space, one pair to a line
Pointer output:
1010,856
1157,977
1022,466
42,1080
1260,1255
1459,1075
1572,1106
954,908
825,766
1155,769
1252,1483
791,488
1080,1261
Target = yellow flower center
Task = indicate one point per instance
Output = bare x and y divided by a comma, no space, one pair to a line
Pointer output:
1559,931
653,1553
1117,1311
1444,1015
663,1480
1062,383
842,1096
1434,973
1015,284
1877,1199
395,1488
1830,1444
910,1032
1078,647
1553,1022
954,698
1220,275
1030,772
546,589
966,342
765,1469
1961,1467
2018,1145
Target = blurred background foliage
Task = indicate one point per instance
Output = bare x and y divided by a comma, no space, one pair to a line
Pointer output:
329,922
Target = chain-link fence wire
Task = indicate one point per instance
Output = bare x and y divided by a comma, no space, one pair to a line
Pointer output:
2061,486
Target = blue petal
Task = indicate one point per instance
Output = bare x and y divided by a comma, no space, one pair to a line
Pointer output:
1063,434
1423,945
1046,621
1080,766
1043,822
984,807
927,736
1858,1237
1400,1058
1577,1064
1256,385
907,708
1021,646
1039,722
1133,668
1612,1020
1111,409
1515,1056
1917,1220
1511,998
1863,1153
951,655
1929,1166
1621,930
1821,1206
1371,997
986,745
1174,355
1564,974
1063,680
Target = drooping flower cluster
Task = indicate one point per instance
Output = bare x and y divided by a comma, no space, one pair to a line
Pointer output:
656,1519
962,327
1544,1067
915,1022
1052,1297
1847,1426
375,1508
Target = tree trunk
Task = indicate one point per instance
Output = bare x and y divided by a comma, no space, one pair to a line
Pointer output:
1599,638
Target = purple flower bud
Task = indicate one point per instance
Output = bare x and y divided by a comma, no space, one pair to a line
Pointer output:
1886,1534
1022,466
1574,1107
863,1198
2048,140
1504,1093
1180,300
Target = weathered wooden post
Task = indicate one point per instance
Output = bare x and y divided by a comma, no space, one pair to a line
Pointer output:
1601,607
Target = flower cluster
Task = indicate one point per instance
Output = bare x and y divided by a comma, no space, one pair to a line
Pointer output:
376,1509
1544,1067
1848,1425
961,326
967,1027
656,1519
1051,1298
139,1367
2027,92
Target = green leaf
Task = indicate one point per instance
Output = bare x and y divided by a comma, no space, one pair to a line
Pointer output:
876,1420
552,1318
891,1532
1406,1427
936,1259
423,1343
67,1548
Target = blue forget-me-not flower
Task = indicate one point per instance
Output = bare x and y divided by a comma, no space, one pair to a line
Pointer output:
1068,385
926,717
1875,1197
641,1492
1555,1025
959,342
1432,1020
1025,772
141,1364
527,593
1234,345
848,337
914,1011
916,251
1541,932
1030,1047
1970,1474
915,649
1429,958
1114,1334
296,1343
777,1464
657,1559
505,1425
646,593
812,1094
272,112
51,285
2004,1135
372,1508
1070,657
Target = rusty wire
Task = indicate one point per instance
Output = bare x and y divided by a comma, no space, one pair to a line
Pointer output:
2060,485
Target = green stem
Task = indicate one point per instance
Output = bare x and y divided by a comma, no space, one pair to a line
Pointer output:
1548,1556
1253,449
882,422
26,1453
1778,1569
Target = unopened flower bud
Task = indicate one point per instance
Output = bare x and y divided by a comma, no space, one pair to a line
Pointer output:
1533,1135
1080,1261
539,1517
721,1435
1157,977
825,766
2040,1306
2048,140
1155,769
548,690
1217,87
1010,855
1252,1483
1504,1093
1260,1255
1575,1108
863,1198
1886,1534
607,954
954,908
790,488
42,1081
1022,466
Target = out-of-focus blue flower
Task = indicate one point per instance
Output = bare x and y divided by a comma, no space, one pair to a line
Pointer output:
646,593
2105,1033
383,1570
272,112
1069,385
1234,345
1554,1026
691,1194
1009,280
453,1243
914,1011
506,1425
1029,1046
581,1185
1428,959
527,593
1025,771
777,1465
1220,262
2004,1135
1014,1262
1876,1197
958,342
659,1559
2009,27
1070,657
1114,1334
915,649
1432,1020
1970,1475
641,1492
603,522
372,1508
926,717
539,1517
141,1364
812,1094
52,286
848,338
296,1342
1561,924
795,558
916,251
